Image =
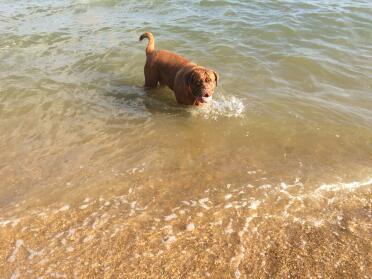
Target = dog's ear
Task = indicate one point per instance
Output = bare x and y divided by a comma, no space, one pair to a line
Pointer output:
216,77
189,78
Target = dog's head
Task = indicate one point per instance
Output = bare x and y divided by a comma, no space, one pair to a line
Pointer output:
201,83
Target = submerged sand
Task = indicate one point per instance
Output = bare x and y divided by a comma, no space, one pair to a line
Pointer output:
224,233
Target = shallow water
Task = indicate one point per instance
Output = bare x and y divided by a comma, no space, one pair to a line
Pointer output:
273,178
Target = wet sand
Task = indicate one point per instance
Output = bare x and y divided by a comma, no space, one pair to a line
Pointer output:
222,233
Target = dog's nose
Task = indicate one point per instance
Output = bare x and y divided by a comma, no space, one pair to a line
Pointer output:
207,95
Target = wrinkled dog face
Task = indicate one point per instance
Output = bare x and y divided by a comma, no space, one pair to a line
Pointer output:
202,82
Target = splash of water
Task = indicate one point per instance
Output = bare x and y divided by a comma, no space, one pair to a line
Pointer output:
221,107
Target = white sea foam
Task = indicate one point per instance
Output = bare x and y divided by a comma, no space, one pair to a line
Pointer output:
70,249
19,244
64,208
229,205
229,229
190,227
193,203
58,275
344,186
88,238
71,232
202,203
221,107
254,204
12,222
170,217
84,206
33,253
185,202
15,274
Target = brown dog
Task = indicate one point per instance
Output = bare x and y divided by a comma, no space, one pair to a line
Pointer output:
192,84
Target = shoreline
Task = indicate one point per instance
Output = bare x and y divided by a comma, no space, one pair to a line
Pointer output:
218,235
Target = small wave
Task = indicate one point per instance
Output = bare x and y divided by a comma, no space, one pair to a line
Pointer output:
221,107
344,186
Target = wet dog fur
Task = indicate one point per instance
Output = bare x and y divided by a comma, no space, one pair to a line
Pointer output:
191,84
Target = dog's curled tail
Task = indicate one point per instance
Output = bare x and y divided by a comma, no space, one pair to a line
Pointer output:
151,43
